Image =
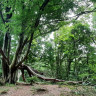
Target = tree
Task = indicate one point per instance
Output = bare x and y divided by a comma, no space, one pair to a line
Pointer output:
74,50
25,20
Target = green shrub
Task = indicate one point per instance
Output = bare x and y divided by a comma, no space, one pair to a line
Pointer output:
32,79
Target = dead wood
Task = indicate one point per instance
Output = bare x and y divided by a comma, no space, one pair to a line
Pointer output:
32,72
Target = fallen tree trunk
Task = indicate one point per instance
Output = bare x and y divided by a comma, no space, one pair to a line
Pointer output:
31,72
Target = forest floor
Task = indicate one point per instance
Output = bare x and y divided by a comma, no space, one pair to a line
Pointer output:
47,90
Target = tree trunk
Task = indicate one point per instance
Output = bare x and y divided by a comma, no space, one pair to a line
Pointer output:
58,63
6,44
5,69
6,52
68,68
33,73
10,68
12,77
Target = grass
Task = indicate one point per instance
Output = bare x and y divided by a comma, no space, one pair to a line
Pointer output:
79,90
10,85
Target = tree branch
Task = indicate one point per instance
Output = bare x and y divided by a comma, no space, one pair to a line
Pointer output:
1,15
35,26
2,53
84,12
14,61
40,10
41,34
26,51
44,4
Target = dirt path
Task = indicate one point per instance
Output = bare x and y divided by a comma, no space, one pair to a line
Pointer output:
17,91
47,90
50,90
37,90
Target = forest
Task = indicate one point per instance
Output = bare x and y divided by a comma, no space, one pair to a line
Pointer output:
48,41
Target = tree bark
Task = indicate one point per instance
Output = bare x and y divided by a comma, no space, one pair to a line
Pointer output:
68,67
31,72
9,68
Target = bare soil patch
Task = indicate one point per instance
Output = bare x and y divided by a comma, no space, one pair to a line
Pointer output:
47,90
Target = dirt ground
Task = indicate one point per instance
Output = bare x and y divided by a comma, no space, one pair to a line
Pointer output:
47,90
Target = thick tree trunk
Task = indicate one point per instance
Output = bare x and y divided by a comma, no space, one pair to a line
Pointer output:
12,77
9,68
31,72
5,69
6,52
6,44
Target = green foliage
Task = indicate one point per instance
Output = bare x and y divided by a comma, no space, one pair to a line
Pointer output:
9,85
75,43
93,0
70,55
84,75
32,79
